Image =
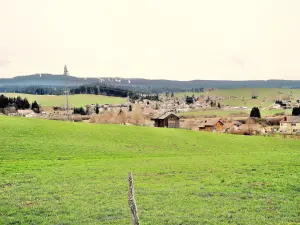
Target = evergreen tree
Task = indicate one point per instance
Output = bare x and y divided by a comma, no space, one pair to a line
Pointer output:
79,111
18,102
255,112
4,101
130,108
26,103
35,107
296,111
96,92
97,109
189,100
219,105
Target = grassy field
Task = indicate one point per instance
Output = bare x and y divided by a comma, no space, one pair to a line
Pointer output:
266,96
75,100
247,92
55,172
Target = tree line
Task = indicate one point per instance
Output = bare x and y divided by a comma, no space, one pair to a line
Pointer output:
80,111
34,90
18,103
256,113
138,96
100,90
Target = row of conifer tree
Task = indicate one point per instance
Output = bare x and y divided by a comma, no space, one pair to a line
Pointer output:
18,103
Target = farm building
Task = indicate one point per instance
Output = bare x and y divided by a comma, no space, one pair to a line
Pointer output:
167,119
231,126
25,112
148,111
290,125
211,125
252,128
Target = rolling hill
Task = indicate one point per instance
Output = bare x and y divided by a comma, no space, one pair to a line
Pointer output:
147,84
55,172
79,100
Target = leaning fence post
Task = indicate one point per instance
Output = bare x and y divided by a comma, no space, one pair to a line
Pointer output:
131,200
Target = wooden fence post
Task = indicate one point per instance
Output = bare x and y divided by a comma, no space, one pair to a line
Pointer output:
131,200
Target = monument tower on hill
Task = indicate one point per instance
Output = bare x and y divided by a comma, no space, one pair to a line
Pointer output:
66,74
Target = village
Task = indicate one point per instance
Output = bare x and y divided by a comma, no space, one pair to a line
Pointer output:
169,112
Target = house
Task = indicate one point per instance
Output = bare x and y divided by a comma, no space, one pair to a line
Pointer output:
166,119
252,128
290,125
276,106
232,126
148,110
25,112
214,124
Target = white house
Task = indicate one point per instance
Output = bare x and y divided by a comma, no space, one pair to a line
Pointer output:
276,106
290,125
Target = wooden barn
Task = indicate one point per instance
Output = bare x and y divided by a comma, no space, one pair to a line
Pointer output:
167,119
232,126
211,125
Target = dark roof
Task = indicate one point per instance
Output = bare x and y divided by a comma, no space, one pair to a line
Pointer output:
228,125
237,123
290,119
164,116
233,123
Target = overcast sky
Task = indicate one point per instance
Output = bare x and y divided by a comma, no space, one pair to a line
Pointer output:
168,39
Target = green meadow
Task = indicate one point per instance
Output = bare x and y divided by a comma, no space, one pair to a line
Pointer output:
247,92
75,100
54,172
266,96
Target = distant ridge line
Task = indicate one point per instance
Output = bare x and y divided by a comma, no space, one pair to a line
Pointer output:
58,80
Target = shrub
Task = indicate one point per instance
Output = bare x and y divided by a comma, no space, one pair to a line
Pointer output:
79,111
57,108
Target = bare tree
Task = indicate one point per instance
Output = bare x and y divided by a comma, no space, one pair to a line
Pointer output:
106,117
137,116
121,117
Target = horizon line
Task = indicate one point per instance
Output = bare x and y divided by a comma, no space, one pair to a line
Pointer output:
128,78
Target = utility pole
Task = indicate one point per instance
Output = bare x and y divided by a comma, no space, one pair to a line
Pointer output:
66,74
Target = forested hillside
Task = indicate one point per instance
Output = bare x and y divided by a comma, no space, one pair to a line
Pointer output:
144,84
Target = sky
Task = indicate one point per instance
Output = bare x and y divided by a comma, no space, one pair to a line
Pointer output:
154,39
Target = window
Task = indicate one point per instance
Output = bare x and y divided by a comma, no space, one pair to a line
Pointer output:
293,124
294,130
